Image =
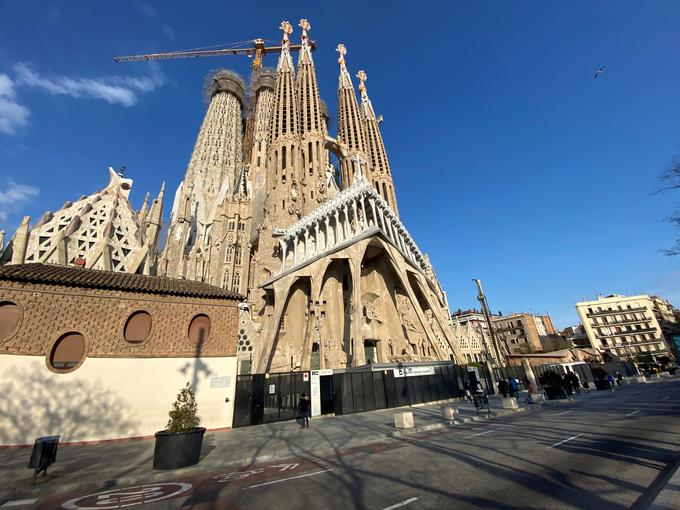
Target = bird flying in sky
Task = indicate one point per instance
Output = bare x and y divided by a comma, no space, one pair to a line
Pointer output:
599,72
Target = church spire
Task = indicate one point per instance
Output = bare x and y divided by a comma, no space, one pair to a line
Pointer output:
381,175
312,127
284,203
350,127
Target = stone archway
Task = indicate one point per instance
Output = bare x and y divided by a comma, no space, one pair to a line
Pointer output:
294,331
336,308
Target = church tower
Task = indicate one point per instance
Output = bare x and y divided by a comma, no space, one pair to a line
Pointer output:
211,176
380,175
284,200
312,128
350,126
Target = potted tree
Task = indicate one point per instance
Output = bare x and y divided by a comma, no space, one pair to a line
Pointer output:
179,445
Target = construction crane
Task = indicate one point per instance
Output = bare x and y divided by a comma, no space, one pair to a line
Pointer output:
258,50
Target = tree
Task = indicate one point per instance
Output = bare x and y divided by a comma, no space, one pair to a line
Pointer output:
670,180
184,413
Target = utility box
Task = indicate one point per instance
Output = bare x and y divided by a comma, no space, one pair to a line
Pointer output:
44,454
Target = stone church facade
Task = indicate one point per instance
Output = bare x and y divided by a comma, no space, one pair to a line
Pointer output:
331,276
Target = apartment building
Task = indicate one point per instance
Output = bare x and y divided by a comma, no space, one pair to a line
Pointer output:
623,325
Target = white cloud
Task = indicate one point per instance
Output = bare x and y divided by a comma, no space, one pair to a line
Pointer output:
121,90
147,9
14,195
168,32
12,114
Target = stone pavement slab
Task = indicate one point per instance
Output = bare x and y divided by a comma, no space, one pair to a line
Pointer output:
112,464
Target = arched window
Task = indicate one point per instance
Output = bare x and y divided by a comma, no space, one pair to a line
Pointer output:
230,253
237,282
10,317
67,353
199,330
238,255
226,279
137,327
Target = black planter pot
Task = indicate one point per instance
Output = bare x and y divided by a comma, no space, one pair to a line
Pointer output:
177,449
603,384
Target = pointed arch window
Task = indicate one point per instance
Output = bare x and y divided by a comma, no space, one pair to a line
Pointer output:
226,279
238,255
230,253
237,281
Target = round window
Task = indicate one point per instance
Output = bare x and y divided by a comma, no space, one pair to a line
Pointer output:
67,353
137,327
10,317
199,330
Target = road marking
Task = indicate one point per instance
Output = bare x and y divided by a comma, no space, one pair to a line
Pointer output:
565,440
563,412
128,496
480,434
634,412
403,503
666,397
19,502
636,392
289,478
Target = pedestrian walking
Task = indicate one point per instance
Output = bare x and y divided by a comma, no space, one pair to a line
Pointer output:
619,378
503,387
304,409
514,387
466,387
610,380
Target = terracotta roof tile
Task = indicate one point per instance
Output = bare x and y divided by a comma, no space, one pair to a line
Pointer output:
97,279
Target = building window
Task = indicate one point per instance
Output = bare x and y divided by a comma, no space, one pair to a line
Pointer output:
199,330
237,282
137,328
10,319
238,255
68,353
232,224
241,226
230,253
226,279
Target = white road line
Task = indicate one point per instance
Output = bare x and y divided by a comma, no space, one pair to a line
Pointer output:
403,503
636,392
19,502
480,434
665,398
634,412
289,478
565,440
563,412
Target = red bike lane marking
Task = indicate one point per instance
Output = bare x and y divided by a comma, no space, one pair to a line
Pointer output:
203,488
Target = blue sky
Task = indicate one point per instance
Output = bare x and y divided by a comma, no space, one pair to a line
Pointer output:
511,163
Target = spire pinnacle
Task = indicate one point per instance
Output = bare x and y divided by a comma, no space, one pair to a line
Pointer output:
362,86
341,59
287,29
305,26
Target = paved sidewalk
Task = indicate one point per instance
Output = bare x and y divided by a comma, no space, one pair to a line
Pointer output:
122,463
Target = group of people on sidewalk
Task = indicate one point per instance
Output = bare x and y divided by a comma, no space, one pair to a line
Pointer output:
511,386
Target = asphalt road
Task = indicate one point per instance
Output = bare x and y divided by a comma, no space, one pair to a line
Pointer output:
613,451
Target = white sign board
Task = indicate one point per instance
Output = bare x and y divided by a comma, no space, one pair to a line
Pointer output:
413,371
272,389
222,381
315,393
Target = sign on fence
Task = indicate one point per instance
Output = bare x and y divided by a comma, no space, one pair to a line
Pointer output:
413,371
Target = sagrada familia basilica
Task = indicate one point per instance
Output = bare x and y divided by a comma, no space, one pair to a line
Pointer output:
330,276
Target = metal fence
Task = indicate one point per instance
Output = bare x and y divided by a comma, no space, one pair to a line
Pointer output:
269,398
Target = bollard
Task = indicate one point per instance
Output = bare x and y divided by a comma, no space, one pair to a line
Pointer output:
403,420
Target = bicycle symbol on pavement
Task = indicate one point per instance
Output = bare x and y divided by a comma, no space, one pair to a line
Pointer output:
130,496
240,475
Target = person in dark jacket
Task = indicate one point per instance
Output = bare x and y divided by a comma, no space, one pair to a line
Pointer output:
304,409
503,387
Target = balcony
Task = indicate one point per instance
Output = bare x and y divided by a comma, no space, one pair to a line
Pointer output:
614,312
627,333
